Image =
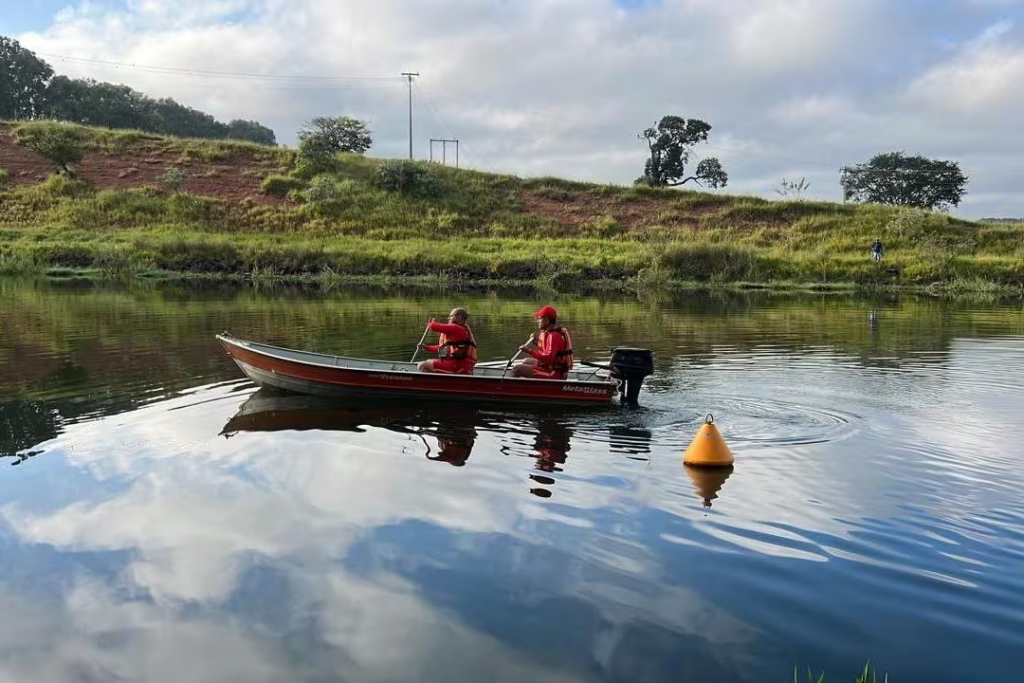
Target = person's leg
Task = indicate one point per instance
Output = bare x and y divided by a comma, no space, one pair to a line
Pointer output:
448,366
524,368
426,366
521,370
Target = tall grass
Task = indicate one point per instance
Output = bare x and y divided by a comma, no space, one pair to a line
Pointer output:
868,675
18,264
128,141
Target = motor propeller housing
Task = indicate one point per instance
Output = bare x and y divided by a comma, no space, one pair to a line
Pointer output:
631,366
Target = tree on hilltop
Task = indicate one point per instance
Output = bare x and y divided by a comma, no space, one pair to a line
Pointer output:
671,141
334,134
324,137
23,79
897,179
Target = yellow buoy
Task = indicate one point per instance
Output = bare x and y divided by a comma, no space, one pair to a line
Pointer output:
708,448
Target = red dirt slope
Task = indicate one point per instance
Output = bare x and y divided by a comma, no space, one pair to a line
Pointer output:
230,179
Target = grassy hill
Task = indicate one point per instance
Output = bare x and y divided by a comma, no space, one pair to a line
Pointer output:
247,211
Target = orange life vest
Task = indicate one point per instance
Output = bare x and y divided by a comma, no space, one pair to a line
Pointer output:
465,349
563,359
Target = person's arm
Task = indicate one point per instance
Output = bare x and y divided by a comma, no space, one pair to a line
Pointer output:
431,348
553,343
530,347
449,329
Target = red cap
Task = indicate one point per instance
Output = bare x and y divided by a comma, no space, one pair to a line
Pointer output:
546,312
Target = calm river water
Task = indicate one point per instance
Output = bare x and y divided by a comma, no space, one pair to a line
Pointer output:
162,520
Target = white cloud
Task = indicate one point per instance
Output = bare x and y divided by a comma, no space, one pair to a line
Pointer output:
793,35
818,110
985,78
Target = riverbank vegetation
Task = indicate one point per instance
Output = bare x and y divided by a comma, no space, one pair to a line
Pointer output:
137,205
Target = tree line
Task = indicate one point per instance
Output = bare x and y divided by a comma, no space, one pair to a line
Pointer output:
30,90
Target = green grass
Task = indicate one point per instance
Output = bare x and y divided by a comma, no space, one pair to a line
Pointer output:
127,141
476,226
868,675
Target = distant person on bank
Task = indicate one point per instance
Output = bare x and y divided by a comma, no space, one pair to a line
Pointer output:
455,347
876,250
550,349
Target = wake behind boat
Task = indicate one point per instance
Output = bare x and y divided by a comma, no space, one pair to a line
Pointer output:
307,372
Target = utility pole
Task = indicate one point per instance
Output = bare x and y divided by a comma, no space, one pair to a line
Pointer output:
444,150
409,75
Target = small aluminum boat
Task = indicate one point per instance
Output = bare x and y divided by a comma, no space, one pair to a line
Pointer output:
323,374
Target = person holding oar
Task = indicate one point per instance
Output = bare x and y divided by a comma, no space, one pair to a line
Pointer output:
455,347
550,349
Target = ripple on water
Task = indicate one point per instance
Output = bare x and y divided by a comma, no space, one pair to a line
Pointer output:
749,421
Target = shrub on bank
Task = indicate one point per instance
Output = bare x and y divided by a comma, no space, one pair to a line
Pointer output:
707,262
326,196
174,178
281,185
409,178
59,143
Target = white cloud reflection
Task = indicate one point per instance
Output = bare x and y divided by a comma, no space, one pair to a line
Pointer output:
189,519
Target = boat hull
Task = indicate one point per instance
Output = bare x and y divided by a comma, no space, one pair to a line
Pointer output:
325,375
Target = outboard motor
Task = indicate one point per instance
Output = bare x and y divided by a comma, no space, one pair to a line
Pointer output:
631,367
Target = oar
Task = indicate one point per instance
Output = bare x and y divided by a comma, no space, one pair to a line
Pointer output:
427,329
513,359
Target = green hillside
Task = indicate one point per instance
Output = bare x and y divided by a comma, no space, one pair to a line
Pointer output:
140,204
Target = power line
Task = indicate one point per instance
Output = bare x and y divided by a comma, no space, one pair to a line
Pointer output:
279,88
833,167
435,112
205,73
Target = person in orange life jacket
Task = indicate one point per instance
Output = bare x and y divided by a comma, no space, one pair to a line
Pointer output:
456,346
550,350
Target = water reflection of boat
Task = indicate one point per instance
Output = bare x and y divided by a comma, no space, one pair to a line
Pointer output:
268,410
454,428
550,448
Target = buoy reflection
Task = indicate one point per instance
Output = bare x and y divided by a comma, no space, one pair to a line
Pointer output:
708,481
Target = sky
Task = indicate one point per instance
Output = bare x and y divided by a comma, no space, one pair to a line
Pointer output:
792,88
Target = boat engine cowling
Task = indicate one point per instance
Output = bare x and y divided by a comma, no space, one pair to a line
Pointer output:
631,367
